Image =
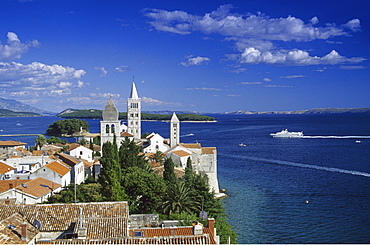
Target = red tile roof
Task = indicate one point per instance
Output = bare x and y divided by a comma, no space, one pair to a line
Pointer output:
11,143
57,168
181,153
4,168
192,145
208,150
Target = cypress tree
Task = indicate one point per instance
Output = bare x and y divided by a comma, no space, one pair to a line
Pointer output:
169,173
189,174
110,174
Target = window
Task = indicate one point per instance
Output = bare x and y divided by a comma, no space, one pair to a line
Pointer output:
80,152
107,129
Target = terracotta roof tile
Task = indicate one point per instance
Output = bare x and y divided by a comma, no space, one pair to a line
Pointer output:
124,134
4,168
192,145
35,189
181,153
11,143
101,219
58,168
5,184
208,150
12,235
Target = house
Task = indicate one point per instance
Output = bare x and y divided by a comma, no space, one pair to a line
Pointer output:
6,171
55,171
155,142
28,191
10,147
77,170
94,223
81,152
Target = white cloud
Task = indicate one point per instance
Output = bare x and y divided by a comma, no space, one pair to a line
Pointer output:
195,61
237,70
250,83
255,34
293,57
102,70
155,102
266,79
277,86
223,22
293,76
104,95
203,88
15,48
122,69
65,84
35,78
352,67
80,84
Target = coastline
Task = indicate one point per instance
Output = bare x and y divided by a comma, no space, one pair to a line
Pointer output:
181,121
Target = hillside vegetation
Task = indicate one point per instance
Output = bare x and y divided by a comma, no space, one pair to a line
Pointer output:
97,114
9,113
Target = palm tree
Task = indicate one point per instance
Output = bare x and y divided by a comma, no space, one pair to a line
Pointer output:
159,157
178,200
40,140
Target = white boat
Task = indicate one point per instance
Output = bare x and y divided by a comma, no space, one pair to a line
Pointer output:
286,134
241,144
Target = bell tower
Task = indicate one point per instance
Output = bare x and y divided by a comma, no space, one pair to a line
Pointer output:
134,113
174,131
110,125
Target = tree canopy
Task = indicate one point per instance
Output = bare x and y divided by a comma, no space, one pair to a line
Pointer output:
67,127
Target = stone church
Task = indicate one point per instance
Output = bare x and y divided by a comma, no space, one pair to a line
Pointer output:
204,159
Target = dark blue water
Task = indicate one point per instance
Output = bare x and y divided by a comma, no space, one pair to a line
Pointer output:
270,180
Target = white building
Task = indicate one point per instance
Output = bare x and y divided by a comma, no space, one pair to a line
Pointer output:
81,152
55,171
155,142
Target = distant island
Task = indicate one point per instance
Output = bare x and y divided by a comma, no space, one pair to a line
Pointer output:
310,111
9,113
97,114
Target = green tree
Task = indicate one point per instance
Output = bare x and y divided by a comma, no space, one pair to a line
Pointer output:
159,157
178,200
110,174
67,127
90,192
53,140
130,155
144,190
169,174
189,174
40,140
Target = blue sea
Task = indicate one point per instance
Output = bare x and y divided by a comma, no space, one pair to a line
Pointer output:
305,190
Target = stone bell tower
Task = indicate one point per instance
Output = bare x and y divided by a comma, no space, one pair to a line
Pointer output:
134,113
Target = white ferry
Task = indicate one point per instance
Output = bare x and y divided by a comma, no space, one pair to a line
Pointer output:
286,134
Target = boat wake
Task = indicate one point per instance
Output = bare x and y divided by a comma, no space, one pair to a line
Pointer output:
336,137
302,165
186,135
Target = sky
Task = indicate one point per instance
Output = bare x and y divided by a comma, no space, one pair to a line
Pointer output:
205,56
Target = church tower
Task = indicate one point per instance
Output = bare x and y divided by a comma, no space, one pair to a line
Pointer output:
110,125
174,131
134,113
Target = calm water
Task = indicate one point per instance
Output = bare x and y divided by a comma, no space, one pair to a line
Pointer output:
269,180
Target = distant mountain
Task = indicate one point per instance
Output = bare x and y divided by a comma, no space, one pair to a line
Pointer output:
17,106
310,111
9,113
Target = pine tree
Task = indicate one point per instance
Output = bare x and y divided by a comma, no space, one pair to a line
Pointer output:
129,155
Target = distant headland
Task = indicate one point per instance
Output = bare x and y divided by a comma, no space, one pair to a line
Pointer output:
364,110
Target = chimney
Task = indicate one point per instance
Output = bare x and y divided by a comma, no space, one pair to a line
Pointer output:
24,232
211,226
197,228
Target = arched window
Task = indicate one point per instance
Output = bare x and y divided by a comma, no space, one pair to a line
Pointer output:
113,131
107,129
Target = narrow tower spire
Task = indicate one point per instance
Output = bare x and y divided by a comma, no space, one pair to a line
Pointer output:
174,130
134,113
